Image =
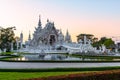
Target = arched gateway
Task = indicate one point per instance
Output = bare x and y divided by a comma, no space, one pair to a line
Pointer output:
52,39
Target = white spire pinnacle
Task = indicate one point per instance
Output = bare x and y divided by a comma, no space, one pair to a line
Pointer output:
47,20
39,23
29,37
21,37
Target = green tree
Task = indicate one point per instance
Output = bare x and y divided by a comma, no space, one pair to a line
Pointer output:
108,42
6,38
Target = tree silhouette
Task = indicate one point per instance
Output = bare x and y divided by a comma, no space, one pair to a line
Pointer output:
6,38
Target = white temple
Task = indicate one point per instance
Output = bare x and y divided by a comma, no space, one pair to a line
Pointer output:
52,40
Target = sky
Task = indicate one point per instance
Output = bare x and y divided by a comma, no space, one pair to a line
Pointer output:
97,17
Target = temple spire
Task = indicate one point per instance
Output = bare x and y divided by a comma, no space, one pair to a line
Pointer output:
21,37
29,37
67,33
39,23
60,31
47,20
67,37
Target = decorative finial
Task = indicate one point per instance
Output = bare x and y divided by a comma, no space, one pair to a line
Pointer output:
60,31
67,32
39,16
21,34
53,23
39,23
29,38
47,20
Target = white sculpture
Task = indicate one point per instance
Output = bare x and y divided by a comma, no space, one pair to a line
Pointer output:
103,48
80,41
116,50
4,50
89,41
60,37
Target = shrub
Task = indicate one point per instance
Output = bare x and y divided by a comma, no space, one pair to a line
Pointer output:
102,75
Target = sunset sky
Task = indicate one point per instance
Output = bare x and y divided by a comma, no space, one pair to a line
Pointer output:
98,17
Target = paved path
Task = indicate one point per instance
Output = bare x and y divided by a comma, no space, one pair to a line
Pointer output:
22,65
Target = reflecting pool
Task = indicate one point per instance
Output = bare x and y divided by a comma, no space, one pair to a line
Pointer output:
59,57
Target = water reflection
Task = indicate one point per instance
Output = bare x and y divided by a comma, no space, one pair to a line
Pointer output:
59,57
20,59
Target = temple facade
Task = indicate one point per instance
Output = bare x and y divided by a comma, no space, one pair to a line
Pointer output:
47,36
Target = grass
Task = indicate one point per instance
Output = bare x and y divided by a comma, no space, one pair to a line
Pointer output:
27,75
8,57
96,57
7,53
102,75
17,74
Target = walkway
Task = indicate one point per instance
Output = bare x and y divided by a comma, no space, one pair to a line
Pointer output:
26,65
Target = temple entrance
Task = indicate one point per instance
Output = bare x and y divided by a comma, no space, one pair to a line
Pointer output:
52,39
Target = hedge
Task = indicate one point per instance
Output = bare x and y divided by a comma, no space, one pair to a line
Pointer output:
102,75
61,69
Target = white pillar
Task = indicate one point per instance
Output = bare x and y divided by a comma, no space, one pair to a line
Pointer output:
21,45
85,39
5,50
116,50
11,46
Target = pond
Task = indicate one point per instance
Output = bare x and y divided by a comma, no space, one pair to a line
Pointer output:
58,57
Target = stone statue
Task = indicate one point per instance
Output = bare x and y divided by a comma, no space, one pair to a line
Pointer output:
80,41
